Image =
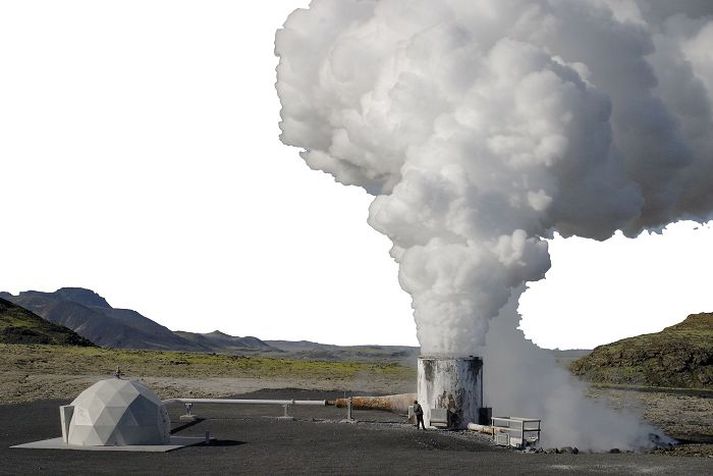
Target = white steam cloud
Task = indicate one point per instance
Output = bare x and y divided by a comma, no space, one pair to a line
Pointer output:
482,127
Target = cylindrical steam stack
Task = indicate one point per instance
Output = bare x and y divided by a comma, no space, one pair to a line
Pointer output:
450,389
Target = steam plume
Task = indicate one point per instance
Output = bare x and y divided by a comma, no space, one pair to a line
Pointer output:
482,127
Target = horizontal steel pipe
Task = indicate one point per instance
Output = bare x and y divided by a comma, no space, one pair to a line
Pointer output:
246,401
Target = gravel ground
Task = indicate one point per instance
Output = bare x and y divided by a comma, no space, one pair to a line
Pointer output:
27,386
686,417
251,440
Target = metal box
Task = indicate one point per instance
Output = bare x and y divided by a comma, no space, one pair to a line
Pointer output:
485,415
521,432
439,417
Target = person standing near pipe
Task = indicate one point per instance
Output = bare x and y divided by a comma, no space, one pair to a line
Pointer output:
418,411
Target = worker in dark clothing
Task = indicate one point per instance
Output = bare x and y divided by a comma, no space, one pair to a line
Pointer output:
418,411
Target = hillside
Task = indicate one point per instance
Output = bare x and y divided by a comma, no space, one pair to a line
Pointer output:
20,326
90,316
678,356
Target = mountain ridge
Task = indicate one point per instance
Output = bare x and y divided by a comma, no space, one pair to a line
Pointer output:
92,317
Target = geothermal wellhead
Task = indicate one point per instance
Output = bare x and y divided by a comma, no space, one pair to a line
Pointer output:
454,384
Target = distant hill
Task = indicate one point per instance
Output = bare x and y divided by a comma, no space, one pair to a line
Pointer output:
358,353
90,316
20,326
678,356
217,341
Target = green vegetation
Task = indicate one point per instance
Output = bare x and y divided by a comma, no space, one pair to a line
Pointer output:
20,326
679,356
69,360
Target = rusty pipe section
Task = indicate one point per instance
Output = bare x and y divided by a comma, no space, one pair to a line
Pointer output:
487,429
390,403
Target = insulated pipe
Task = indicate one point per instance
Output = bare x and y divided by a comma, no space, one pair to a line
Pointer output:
392,403
246,401
487,429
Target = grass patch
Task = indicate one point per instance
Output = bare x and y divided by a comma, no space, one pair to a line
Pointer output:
20,326
73,360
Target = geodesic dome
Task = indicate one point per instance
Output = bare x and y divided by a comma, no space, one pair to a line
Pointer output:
117,412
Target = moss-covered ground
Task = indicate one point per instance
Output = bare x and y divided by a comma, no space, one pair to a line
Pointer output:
48,359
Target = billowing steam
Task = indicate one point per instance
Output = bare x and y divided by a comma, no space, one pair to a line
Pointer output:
482,127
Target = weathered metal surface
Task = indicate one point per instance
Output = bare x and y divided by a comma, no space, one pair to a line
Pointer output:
451,383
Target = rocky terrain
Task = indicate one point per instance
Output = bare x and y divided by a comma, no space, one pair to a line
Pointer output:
686,416
678,356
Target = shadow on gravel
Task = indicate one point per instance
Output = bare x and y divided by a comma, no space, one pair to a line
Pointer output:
696,439
186,425
226,443
383,422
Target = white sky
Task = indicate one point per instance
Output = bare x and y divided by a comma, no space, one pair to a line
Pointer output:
139,157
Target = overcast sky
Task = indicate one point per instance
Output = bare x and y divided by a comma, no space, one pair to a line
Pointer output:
140,158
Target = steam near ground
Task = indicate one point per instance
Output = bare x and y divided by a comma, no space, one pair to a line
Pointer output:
482,127
520,379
